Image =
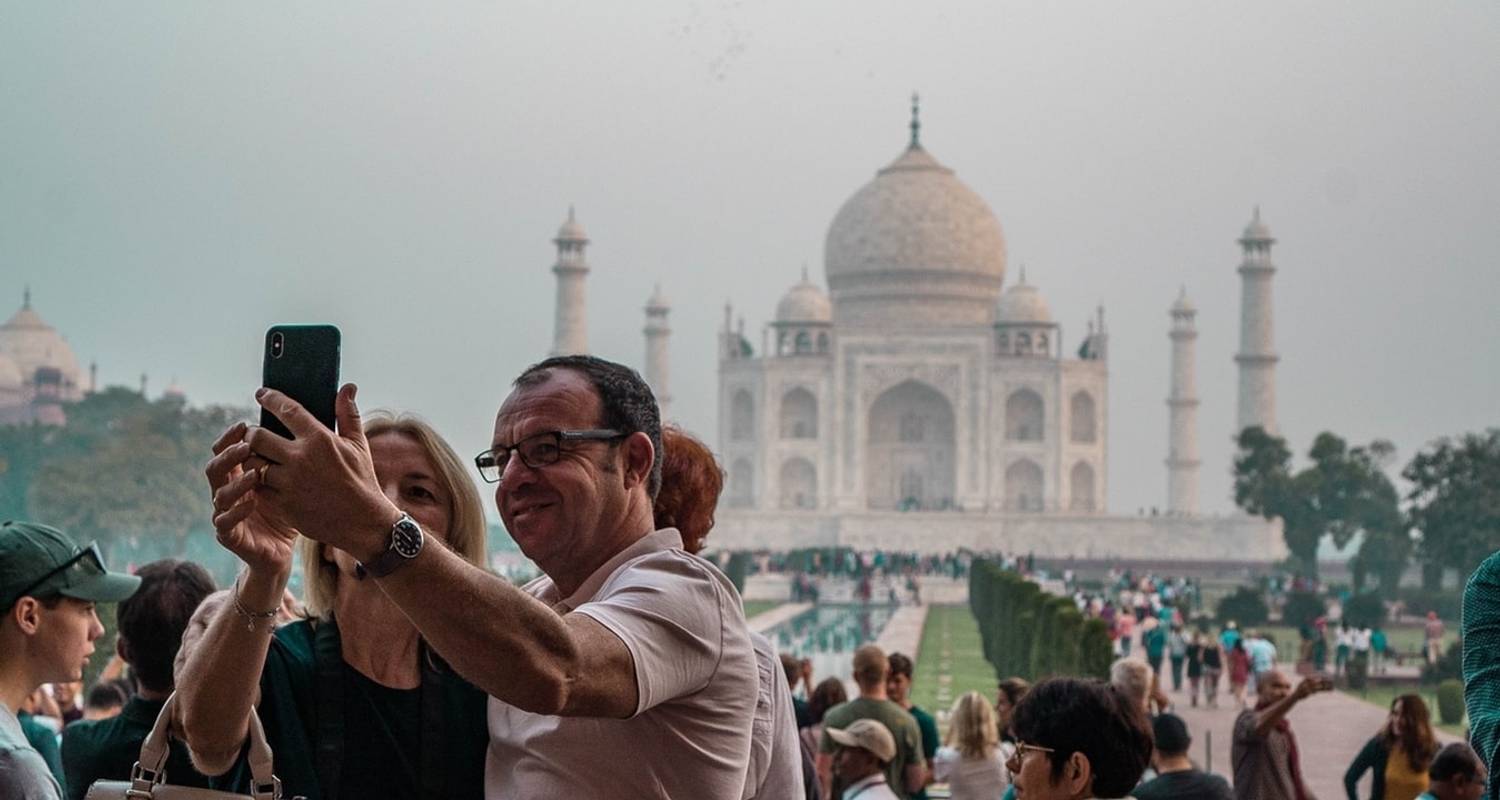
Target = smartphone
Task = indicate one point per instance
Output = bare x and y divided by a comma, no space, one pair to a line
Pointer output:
302,362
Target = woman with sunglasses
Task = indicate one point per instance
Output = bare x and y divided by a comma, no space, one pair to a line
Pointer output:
1077,739
354,703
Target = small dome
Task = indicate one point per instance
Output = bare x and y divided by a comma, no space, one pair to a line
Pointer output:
1257,231
571,230
804,302
1183,305
658,301
1022,304
31,344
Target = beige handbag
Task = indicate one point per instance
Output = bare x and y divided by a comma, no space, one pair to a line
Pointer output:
148,780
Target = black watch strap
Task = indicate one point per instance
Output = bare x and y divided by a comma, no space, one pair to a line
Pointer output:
405,543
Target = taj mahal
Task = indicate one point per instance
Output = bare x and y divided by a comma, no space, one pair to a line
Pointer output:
920,403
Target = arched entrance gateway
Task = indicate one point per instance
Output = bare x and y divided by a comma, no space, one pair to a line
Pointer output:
910,452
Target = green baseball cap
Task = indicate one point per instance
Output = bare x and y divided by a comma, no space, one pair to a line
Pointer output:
41,561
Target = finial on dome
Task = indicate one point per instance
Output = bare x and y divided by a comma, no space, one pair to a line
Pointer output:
1023,274
1257,212
26,297
916,122
571,218
804,272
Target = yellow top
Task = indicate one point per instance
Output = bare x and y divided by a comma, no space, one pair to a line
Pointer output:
1401,781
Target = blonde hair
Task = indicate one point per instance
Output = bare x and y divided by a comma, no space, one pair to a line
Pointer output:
1133,678
466,524
972,729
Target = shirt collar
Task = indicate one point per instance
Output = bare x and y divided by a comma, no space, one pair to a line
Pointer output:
866,782
656,541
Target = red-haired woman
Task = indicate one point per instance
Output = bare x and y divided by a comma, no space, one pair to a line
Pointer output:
1398,755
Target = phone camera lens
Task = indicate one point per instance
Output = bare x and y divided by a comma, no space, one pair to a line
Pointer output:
278,344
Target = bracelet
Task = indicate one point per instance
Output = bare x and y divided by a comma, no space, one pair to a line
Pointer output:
251,617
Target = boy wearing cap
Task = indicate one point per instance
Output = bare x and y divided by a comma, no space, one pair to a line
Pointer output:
48,588
864,748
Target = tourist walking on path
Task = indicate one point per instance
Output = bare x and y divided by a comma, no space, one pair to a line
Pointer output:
1264,753
898,688
1124,631
1077,740
1176,777
1432,632
1343,644
1177,644
1194,667
1397,756
906,772
971,760
1154,639
1239,671
1456,774
1213,666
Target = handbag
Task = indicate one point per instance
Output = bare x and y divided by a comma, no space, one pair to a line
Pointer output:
148,780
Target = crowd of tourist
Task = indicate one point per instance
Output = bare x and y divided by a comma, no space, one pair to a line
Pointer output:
406,669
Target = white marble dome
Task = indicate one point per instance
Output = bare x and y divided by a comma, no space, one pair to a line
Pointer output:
10,375
1257,231
1022,304
803,303
915,246
30,343
571,229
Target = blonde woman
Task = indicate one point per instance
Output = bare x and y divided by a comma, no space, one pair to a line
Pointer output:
354,703
971,760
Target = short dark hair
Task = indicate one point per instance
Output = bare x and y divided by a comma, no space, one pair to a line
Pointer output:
1171,734
153,619
1454,759
900,664
108,694
627,402
1089,717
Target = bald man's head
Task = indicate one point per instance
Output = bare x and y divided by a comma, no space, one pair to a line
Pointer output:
1272,686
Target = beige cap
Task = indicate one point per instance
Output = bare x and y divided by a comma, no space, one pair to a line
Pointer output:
869,734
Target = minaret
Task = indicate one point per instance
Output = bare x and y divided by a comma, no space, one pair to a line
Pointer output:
570,327
1182,405
657,335
1257,358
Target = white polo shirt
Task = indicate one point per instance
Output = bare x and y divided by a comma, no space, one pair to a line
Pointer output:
695,674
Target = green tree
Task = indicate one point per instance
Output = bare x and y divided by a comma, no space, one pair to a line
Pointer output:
1454,502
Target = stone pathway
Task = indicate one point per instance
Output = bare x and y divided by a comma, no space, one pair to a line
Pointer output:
1331,728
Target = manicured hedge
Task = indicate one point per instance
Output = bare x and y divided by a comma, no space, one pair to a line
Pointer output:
1032,634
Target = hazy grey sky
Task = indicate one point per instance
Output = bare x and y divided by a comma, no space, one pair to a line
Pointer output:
175,177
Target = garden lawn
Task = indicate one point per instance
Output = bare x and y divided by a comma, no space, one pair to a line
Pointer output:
755,607
1384,694
950,628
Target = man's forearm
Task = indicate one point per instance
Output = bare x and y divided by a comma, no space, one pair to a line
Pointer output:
510,644
1266,719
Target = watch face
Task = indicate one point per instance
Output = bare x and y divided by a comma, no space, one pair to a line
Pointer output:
406,538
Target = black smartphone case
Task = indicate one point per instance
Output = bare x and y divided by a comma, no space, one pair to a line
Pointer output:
306,370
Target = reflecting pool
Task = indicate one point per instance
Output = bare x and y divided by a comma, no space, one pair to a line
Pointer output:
829,634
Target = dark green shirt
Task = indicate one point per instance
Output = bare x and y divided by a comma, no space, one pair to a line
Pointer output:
928,727
387,734
107,749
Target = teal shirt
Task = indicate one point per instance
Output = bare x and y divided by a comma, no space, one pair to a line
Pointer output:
1481,663
928,728
45,741
385,751
107,749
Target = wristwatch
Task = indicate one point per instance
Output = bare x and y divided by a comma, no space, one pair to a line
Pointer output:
406,542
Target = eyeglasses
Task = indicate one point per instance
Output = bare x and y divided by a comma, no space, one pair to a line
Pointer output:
537,450
1014,762
87,561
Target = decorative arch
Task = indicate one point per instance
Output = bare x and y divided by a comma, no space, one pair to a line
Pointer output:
1083,425
1081,487
1024,416
741,417
1024,487
911,449
799,484
741,484
804,343
799,415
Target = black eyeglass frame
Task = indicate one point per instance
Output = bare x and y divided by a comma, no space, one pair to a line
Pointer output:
558,437
83,552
